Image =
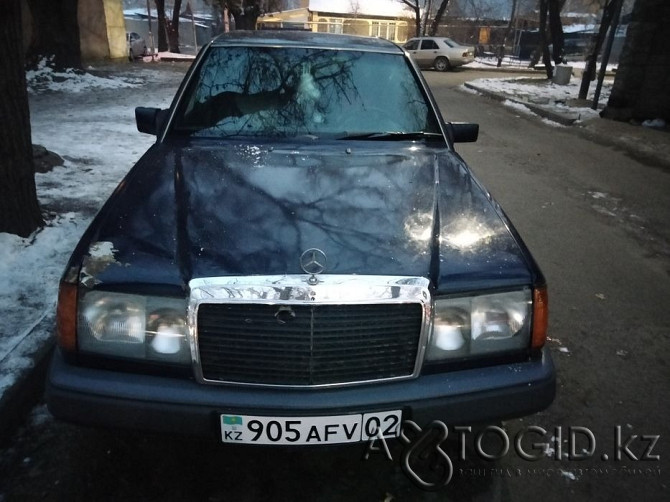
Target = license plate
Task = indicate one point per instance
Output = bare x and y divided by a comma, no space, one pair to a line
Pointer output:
251,429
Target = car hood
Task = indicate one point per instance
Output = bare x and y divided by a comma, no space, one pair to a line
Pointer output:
200,209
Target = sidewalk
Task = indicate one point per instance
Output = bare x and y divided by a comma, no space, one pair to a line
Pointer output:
27,357
647,145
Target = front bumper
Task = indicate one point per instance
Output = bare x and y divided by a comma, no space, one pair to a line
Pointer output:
111,399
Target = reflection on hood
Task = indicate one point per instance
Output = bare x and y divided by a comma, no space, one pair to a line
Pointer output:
381,208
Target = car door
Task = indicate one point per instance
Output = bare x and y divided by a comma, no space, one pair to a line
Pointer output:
412,46
428,51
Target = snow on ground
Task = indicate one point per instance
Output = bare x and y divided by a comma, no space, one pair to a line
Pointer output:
521,64
542,92
44,78
87,118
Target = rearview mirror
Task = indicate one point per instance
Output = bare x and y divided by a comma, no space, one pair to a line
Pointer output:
150,120
464,132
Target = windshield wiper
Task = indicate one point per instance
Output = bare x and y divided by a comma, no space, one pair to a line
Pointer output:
399,136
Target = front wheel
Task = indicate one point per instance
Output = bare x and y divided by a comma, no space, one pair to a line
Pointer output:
131,56
441,64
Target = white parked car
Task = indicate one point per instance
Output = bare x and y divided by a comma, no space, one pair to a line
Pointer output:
137,47
440,53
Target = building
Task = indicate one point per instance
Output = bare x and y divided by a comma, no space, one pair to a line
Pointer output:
102,32
388,19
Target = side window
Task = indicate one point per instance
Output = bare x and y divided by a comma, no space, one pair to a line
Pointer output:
428,45
412,45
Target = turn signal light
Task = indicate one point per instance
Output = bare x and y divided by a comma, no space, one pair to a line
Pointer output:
540,317
66,317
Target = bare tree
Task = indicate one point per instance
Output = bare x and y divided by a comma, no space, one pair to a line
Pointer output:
438,17
415,5
501,52
426,15
19,210
556,29
550,14
173,28
162,27
596,46
246,12
543,49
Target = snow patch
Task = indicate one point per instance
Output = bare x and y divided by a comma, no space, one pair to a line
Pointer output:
99,143
46,78
570,475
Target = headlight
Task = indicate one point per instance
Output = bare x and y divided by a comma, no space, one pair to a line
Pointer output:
133,326
477,325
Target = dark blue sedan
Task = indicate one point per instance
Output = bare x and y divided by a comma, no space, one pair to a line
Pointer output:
300,258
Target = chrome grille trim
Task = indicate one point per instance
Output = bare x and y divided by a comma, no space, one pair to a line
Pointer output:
292,290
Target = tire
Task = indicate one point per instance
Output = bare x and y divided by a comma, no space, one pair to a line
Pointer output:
441,64
131,56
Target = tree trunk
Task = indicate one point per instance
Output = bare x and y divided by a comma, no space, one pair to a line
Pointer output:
544,41
173,28
592,60
428,6
438,17
55,33
162,28
501,52
641,87
19,209
414,4
556,30
245,16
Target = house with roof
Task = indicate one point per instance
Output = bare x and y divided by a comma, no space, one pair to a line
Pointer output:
388,19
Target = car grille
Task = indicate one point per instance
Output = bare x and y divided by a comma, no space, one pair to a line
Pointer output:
306,345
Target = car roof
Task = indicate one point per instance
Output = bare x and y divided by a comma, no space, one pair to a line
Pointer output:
294,38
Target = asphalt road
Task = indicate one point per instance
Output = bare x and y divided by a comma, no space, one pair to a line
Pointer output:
596,221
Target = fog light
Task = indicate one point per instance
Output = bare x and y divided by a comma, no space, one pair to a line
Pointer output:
166,341
448,337
167,330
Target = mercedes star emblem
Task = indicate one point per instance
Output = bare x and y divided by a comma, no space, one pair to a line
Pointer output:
313,261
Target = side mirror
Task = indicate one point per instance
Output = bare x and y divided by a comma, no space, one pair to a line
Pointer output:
150,120
464,132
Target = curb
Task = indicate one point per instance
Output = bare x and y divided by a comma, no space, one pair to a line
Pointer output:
169,59
502,69
639,149
560,118
22,395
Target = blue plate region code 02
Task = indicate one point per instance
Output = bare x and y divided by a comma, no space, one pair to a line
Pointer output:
250,429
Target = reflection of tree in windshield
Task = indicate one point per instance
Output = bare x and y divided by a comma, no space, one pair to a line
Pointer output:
290,92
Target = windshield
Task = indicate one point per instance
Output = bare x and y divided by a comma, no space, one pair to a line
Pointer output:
288,92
